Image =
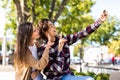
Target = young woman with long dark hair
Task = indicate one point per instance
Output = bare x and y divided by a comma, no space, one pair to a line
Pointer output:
26,57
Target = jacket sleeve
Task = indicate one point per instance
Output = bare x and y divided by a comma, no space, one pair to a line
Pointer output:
38,64
72,38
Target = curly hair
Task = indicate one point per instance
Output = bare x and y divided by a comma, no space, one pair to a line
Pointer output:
43,27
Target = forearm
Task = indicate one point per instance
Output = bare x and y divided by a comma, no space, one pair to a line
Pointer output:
45,57
38,64
83,33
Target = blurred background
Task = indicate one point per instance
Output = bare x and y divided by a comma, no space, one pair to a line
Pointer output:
69,16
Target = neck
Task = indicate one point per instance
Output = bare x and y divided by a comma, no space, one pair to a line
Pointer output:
31,43
52,39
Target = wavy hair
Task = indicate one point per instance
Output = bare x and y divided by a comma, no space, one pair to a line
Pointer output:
43,27
24,34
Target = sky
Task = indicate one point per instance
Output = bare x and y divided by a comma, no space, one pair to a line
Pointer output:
2,20
112,6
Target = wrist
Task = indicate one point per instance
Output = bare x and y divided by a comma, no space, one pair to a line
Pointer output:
47,47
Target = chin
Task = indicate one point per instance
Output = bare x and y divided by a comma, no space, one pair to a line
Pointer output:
55,35
38,37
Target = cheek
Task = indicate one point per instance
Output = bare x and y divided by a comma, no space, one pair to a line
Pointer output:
34,35
38,36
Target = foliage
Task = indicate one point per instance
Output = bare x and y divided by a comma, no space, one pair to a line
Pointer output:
76,50
114,47
100,76
70,16
92,74
74,15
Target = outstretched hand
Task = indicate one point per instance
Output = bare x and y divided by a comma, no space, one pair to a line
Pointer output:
61,42
104,16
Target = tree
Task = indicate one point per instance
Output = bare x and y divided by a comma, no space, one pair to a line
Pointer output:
56,10
22,10
69,15
27,8
114,47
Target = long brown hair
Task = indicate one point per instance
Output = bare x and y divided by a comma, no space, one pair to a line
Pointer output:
24,34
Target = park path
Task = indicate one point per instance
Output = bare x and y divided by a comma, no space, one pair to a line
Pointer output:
7,72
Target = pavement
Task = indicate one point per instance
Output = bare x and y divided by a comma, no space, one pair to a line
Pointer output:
108,68
7,72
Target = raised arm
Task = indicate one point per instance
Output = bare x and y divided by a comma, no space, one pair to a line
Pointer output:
38,64
87,31
43,61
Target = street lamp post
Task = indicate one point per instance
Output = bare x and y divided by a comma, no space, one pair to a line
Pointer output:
4,51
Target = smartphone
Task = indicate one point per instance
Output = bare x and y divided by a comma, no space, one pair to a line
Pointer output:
105,13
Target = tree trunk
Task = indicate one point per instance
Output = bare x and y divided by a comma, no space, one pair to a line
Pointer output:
33,10
64,2
25,10
51,9
22,11
19,11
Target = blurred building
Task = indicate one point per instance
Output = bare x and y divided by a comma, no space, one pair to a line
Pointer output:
92,54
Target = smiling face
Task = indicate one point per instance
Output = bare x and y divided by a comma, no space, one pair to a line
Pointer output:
46,27
51,29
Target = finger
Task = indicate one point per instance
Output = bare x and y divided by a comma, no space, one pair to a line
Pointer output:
61,35
64,40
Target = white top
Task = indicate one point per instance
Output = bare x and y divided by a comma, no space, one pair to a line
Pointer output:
33,50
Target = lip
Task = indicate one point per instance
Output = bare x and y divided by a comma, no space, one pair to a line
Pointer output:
54,30
37,34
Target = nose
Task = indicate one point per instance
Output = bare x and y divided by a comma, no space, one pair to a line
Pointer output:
37,30
54,27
